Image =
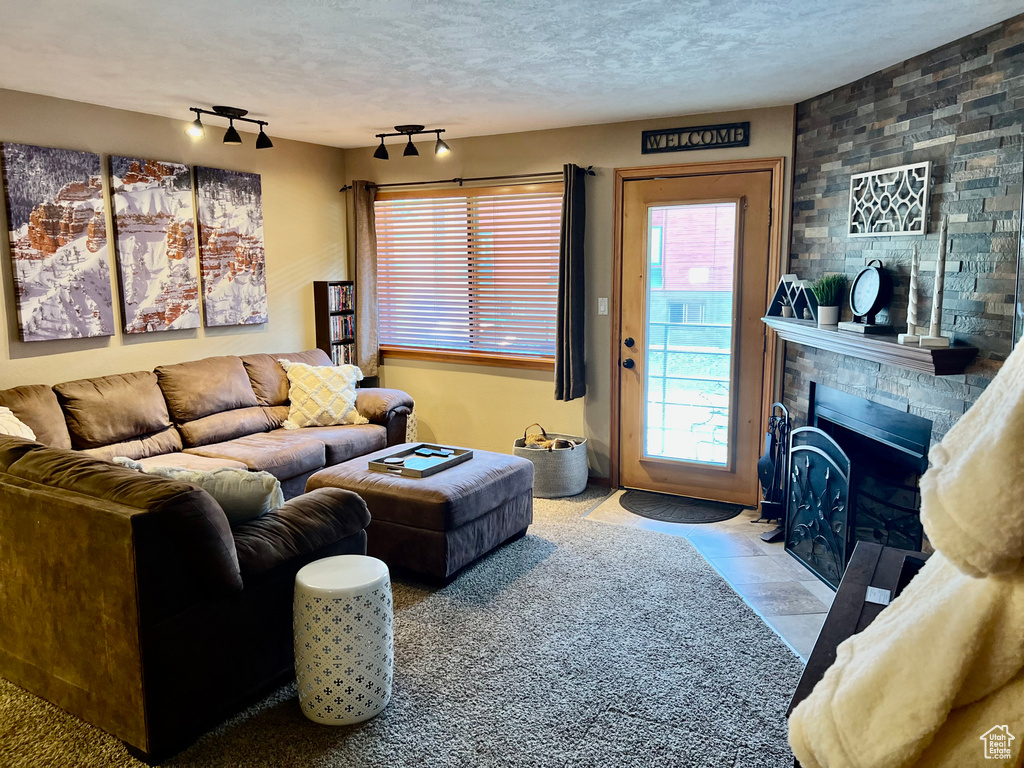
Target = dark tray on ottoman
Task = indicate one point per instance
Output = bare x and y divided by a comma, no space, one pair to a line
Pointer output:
434,526
421,466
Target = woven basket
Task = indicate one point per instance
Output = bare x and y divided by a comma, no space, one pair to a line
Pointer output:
559,472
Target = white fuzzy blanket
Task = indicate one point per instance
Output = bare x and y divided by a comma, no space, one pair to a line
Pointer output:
945,662
918,687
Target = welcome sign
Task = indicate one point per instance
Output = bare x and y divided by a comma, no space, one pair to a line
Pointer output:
696,137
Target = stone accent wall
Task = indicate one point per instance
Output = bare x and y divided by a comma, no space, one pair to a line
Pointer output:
962,107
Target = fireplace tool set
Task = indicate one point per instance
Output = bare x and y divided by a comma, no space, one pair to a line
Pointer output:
773,471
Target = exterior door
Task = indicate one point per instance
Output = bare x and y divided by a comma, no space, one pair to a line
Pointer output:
694,285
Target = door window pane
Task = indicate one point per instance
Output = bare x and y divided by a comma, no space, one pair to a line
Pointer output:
691,265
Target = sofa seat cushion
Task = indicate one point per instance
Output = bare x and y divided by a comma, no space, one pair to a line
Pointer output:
280,453
37,406
112,409
268,379
344,442
299,528
438,502
182,460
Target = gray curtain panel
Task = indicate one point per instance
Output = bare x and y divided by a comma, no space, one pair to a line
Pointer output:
367,346
570,375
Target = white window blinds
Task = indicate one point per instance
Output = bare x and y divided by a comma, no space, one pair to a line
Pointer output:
473,272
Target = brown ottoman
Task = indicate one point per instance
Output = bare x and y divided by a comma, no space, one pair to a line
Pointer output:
434,526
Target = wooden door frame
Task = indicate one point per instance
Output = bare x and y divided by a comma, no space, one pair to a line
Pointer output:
776,165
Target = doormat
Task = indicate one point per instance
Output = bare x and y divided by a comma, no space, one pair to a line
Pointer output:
677,509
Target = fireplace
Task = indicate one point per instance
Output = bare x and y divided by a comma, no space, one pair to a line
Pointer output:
854,476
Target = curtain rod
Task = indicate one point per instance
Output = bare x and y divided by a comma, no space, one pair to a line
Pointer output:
589,172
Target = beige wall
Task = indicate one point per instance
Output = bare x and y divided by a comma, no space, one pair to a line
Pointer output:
488,407
304,233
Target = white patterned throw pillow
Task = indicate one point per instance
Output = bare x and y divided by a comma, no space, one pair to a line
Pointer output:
13,426
321,395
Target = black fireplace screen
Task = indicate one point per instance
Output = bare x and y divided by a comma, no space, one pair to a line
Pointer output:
854,476
817,530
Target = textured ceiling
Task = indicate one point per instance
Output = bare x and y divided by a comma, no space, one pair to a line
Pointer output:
336,72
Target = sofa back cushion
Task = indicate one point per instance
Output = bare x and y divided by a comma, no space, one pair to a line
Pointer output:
226,425
156,444
269,381
203,387
37,406
112,409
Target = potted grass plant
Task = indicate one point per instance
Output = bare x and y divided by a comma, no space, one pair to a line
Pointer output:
786,305
828,290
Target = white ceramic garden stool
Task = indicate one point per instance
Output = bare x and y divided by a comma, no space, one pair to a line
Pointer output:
344,639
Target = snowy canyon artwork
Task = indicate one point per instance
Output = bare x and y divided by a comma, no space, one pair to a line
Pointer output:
156,247
58,237
231,257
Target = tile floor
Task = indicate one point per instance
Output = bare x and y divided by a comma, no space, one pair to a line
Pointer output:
789,598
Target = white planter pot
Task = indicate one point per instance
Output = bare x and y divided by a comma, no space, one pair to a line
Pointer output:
787,311
828,316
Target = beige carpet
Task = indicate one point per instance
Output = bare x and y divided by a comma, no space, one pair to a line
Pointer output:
581,645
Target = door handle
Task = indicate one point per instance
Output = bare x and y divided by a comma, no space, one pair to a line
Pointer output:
629,341
628,363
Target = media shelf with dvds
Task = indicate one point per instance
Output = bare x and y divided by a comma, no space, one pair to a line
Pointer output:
335,320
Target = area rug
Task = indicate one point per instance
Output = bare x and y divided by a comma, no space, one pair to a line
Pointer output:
581,645
677,509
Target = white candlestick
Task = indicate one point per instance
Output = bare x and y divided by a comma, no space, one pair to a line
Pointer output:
935,337
940,282
915,265
911,337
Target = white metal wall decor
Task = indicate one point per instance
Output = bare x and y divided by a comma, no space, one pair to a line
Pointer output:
892,201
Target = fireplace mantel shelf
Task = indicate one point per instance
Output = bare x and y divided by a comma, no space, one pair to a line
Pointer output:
879,349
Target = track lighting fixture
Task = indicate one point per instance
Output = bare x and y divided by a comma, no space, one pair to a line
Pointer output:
197,130
440,147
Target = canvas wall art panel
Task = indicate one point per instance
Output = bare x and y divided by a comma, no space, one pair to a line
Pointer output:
156,245
231,256
58,236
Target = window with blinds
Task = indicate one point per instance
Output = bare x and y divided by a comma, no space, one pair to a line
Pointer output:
472,273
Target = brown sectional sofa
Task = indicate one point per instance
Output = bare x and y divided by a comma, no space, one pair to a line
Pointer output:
219,411
128,599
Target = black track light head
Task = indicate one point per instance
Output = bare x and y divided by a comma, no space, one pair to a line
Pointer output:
381,152
231,135
440,147
263,141
195,129
410,149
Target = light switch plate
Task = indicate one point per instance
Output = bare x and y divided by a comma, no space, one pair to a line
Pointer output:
602,306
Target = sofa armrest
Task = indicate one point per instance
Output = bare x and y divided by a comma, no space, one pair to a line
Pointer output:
378,404
388,407
301,527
